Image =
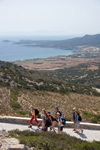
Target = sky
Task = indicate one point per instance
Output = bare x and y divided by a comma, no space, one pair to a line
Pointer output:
49,17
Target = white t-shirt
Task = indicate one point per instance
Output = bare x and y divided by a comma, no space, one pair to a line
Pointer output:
60,120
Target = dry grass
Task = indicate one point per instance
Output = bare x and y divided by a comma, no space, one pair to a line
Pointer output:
54,63
49,100
93,67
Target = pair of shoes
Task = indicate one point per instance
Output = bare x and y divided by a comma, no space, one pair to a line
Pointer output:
29,126
39,125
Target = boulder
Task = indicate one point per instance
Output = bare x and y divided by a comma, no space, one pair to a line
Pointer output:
16,147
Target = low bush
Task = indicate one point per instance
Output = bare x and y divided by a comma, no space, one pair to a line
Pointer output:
22,112
87,115
67,119
15,104
94,118
13,96
38,116
52,141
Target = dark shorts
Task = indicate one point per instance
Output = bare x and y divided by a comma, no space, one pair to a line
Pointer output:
53,119
44,129
61,129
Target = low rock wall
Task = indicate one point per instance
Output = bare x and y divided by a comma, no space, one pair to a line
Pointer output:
25,121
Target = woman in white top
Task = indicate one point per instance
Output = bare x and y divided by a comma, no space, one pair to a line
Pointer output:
60,125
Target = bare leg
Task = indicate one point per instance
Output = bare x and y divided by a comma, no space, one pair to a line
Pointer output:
62,132
74,125
41,130
81,129
76,128
53,123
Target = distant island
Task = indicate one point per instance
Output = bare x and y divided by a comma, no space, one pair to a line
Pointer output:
73,44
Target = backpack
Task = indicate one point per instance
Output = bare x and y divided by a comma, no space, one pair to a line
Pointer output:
79,118
52,118
63,120
36,112
48,123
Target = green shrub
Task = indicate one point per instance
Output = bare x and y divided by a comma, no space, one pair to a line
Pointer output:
95,109
38,116
22,112
87,115
15,104
13,96
67,119
52,141
94,120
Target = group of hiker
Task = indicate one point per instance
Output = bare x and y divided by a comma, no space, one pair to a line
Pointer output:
48,121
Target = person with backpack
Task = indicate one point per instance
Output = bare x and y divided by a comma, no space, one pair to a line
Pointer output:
44,126
60,123
45,114
52,121
34,112
78,118
73,114
47,118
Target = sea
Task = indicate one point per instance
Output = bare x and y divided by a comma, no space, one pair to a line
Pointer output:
14,52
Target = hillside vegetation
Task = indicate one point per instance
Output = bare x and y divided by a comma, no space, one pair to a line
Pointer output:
20,88
52,141
76,79
16,102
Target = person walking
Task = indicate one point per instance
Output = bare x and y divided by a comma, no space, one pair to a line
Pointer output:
33,117
45,114
44,127
78,119
60,124
73,114
52,121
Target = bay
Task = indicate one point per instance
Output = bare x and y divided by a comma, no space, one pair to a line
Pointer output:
12,52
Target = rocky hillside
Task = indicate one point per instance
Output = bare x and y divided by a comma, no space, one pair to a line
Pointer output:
17,103
20,88
75,79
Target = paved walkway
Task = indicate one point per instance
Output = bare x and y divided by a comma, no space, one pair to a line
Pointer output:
88,135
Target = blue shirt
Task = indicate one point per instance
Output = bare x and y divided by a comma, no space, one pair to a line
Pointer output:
73,115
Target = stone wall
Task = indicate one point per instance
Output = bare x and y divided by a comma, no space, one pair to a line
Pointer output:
25,121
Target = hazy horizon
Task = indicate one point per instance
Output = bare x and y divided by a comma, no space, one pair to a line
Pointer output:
49,17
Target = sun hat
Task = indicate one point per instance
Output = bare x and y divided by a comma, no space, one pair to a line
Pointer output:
58,113
31,107
42,116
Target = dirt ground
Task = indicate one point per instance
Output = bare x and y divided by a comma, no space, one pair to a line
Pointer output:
58,62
